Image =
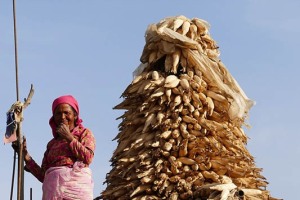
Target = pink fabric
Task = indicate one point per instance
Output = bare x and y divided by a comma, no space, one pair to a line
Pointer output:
64,183
68,99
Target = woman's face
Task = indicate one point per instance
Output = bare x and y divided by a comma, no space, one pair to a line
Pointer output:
64,113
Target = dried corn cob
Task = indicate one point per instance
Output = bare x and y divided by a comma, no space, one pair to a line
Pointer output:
182,136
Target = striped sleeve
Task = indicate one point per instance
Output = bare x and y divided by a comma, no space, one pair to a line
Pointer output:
84,147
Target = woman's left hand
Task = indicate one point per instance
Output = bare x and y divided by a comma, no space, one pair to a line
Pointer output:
64,132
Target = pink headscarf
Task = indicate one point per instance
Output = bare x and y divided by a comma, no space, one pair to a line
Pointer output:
68,99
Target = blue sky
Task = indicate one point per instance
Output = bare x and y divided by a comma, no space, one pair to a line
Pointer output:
90,48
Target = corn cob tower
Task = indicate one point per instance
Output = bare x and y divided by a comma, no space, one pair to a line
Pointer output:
181,135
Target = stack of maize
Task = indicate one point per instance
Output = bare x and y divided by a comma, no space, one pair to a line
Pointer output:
181,136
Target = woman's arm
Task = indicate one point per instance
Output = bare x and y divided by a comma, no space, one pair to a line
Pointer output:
84,149
35,169
32,166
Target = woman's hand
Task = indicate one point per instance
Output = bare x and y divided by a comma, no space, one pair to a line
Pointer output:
64,132
27,156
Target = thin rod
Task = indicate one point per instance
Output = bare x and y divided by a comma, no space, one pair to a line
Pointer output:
30,193
16,49
13,177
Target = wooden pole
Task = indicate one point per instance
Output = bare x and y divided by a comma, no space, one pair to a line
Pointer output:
20,195
20,191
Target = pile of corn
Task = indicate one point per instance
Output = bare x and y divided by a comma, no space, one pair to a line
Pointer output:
181,135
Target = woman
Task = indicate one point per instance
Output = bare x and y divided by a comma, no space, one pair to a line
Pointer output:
65,172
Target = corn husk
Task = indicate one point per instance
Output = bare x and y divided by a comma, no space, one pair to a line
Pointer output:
181,136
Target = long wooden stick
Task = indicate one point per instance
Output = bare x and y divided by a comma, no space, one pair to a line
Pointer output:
20,195
20,191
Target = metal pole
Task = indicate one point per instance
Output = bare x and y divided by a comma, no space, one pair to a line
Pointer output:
13,177
16,49
20,191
